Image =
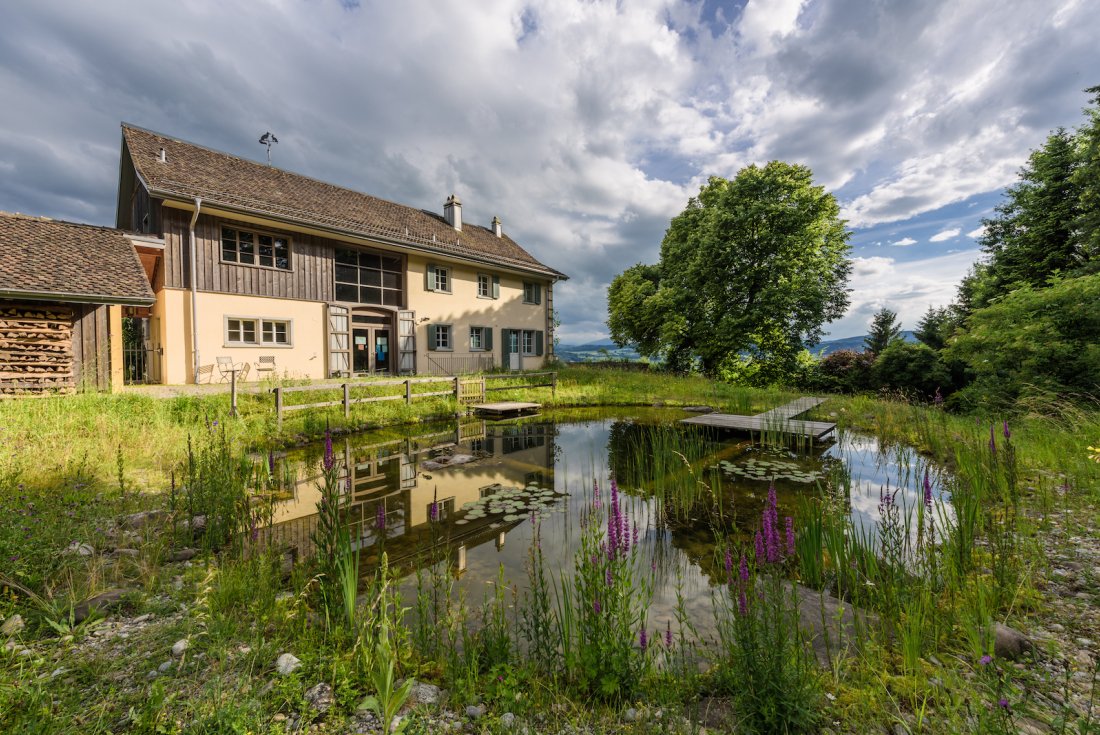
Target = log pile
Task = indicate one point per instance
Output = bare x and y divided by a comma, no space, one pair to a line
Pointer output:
36,348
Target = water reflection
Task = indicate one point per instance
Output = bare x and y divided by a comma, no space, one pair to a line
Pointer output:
480,477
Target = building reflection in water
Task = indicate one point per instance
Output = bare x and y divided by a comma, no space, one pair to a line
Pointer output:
407,476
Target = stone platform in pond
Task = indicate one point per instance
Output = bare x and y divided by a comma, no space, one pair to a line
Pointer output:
779,419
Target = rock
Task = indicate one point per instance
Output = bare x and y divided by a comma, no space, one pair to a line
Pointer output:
12,626
425,694
186,554
180,647
103,601
699,409
79,548
507,720
131,553
165,666
196,524
1008,642
475,711
151,675
319,697
135,521
284,596
287,663
631,715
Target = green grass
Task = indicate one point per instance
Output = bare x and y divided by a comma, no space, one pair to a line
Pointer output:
70,466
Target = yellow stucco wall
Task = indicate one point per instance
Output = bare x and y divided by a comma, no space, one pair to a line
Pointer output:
304,358
462,308
114,329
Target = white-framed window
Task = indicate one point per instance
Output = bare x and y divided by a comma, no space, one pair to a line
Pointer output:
532,293
257,331
488,287
440,337
255,248
477,339
528,342
438,278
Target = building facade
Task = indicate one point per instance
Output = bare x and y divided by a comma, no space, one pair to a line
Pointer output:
279,274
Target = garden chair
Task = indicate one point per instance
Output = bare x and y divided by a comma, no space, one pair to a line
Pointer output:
225,367
206,374
265,364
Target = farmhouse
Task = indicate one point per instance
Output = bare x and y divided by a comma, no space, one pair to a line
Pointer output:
262,271
63,288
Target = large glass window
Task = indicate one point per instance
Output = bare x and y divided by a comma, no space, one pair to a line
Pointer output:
255,248
257,332
369,278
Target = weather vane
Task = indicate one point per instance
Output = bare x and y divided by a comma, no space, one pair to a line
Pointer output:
267,139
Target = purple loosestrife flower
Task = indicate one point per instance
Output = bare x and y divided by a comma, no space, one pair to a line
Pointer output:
790,535
771,529
643,639
1007,433
634,540
596,607
668,634
271,463
380,517
985,660
760,553
992,440
1003,703
927,490
744,570
433,512
608,577
596,495
729,564
329,460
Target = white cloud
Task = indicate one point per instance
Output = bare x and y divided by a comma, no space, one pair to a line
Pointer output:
976,232
945,235
904,242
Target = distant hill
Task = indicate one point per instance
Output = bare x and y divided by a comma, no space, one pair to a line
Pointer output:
606,350
852,343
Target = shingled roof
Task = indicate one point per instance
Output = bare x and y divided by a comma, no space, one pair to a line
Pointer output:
190,171
65,261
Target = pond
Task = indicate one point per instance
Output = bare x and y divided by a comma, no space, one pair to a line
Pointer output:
470,494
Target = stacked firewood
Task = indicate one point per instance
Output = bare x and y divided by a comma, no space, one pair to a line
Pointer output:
36,348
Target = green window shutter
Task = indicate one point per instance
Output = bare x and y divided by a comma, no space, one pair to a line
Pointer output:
538,344
496,287
429,281
504,340
487,338
432,335
538,298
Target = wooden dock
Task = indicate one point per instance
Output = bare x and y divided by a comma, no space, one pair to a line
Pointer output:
779,419
505,408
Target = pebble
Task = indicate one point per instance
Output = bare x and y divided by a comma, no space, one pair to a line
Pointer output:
631,715
475,711
164,666
287,663
80,548
179,647
507,720
151,675
12,626
319,697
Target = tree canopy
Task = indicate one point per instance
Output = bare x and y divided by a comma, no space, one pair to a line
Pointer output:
753,267
884,330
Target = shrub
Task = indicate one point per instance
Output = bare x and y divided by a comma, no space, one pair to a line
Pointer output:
911,368
845,371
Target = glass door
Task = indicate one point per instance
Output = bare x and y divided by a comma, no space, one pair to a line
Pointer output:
361,354
381,350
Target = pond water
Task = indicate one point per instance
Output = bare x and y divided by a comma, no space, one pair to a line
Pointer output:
472,492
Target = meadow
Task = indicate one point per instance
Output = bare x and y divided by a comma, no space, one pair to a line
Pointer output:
980,615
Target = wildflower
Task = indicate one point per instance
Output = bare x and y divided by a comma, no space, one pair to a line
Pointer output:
937,399
744,570
668,634
643,639
1007,433
329,460
608,577
271,463
790,535
380,517
1003,703
927,490
760,554
770,527
596,495
433,512
985,660
742,603
729,564
596,606
635,538
992,440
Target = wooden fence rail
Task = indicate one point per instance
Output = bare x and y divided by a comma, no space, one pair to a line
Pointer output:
462,389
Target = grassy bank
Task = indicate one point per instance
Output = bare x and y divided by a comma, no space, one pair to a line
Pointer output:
1019,548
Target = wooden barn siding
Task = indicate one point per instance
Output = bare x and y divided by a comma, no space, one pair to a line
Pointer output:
91,347
310,278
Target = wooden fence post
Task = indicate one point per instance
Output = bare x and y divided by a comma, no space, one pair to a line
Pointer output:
457,396
278,404
233,393
408,391
554,385
347,401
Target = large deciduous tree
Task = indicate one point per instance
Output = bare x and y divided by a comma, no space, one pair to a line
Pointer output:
752,267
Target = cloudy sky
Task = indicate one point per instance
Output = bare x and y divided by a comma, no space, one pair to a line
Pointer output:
584,125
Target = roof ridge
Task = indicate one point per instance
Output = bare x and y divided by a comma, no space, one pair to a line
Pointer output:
278,168
67,222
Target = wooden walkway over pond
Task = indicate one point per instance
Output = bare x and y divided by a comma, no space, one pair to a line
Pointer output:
779,420
505,408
